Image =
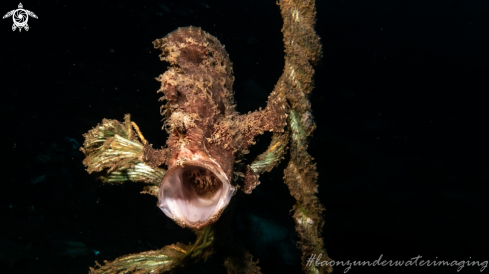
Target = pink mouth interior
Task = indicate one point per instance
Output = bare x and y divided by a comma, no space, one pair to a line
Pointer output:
193,194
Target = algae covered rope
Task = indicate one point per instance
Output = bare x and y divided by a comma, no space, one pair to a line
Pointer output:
303,51
113,150
170,257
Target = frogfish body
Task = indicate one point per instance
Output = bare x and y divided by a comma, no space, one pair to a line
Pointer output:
206,132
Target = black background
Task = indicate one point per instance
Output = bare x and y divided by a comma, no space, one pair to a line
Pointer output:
401,143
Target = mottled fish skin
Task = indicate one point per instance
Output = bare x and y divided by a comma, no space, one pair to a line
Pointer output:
204,128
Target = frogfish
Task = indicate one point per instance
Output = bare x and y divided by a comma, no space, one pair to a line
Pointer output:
194,175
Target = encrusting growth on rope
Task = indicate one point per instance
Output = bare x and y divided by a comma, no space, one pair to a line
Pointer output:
139,133
303,51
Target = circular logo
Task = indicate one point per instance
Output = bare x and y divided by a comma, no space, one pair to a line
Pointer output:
20,17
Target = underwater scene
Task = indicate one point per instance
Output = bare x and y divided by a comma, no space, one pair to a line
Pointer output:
244,136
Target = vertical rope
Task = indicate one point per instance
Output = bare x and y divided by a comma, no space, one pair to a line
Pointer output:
303,51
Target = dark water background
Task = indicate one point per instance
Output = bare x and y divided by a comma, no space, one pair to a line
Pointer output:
401,105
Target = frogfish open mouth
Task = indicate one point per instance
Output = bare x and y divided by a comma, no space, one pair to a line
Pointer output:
195,191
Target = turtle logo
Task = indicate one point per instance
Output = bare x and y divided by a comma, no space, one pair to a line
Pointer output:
20,17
